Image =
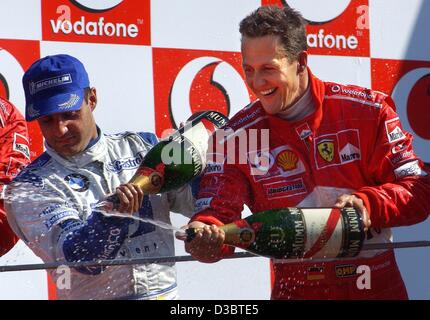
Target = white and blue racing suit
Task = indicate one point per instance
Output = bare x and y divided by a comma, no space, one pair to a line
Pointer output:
50,205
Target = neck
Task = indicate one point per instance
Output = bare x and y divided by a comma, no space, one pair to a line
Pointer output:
300,109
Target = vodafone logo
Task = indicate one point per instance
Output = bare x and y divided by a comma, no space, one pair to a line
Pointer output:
335,89
224,77
332,9
412,97
97,21
334,25
361,94
96,6
66,25
11,74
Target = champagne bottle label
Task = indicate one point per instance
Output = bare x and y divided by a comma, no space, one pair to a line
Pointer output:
353,234
239,234
198,137
274,233
299,233
332,232
323,231
148,179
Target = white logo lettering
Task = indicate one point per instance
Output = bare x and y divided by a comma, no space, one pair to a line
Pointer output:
363,281
65,25
409,169
64,278
339,41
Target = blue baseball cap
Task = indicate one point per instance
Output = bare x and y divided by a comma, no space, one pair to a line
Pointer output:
54,84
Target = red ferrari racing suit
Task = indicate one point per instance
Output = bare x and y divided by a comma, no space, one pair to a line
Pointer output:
352,143
14,155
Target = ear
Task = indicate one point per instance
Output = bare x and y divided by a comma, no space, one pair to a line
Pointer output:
92,99
302,62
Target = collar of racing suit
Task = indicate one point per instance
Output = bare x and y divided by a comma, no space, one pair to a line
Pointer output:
95,151
313,119
301,109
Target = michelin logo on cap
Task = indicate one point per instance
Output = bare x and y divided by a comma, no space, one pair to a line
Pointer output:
40,85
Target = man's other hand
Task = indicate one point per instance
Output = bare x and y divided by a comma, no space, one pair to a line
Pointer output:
350,200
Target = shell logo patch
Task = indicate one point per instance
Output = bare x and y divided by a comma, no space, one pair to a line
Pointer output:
287,160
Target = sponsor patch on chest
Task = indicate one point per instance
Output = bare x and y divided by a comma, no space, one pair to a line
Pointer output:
280,162
337,148
283,189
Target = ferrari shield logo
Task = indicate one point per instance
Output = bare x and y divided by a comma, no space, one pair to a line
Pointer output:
326,150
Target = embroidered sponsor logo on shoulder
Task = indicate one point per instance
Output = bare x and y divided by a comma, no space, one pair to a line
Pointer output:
359,95
393,130
245,118
20,144
403,156
364,94
399,147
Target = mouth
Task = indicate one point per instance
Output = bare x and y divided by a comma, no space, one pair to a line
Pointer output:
66,141
267,92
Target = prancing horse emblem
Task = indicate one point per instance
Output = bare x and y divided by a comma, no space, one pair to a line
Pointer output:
326,150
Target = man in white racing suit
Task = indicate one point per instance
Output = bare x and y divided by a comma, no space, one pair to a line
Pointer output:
50,204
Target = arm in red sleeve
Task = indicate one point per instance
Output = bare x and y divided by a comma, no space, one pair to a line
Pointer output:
14,155
401,194
222,195
14,146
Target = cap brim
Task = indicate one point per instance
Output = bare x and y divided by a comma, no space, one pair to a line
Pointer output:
63,102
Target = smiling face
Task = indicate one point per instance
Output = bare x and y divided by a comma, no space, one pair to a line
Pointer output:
275,80
69,133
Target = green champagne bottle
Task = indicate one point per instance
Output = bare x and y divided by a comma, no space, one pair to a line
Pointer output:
292,233
175,160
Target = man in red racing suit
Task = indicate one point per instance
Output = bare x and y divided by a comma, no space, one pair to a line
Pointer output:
14,155
345,147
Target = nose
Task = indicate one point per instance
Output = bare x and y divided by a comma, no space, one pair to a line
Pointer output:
258,81
59,127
